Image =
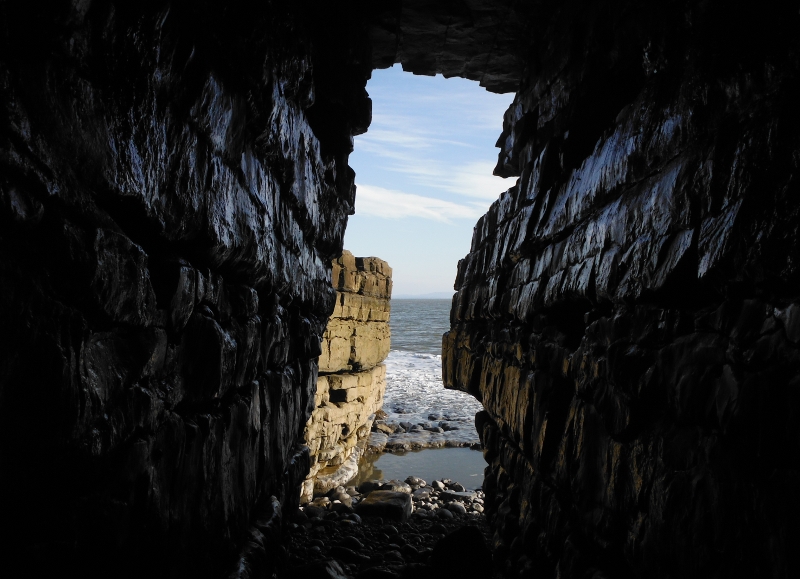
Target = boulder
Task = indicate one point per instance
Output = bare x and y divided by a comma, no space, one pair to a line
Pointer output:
391,505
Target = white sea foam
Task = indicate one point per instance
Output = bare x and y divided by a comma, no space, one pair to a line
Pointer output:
415,394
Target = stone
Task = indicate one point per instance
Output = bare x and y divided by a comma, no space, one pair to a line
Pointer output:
342,497
422,493
173,207
341,508
315,512
357,335
457,508
368,486
391,505
376,573
341,553
465,496
438,485
413,480
396,486
352,543
385,428
462,553
445,514
320,570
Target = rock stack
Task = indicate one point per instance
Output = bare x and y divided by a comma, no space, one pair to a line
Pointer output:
352,378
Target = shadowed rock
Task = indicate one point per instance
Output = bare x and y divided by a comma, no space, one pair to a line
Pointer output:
395,506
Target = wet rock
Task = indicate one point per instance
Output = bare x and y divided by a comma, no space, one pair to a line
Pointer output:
445,514
375,573
458,496
386,504
346,555
462,553
599,303
457,508
320,570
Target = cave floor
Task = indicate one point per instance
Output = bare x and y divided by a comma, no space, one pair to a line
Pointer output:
374,548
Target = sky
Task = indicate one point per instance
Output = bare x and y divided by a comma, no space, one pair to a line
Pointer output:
424,175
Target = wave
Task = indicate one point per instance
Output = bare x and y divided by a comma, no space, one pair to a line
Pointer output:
415,393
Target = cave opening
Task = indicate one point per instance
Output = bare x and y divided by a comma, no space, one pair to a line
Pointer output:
174,185
424,176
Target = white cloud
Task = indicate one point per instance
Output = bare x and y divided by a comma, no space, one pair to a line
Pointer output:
380,202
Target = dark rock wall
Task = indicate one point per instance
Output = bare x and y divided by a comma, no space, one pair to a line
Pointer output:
629,312
174,185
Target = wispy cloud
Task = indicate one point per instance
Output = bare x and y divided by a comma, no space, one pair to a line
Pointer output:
390,204
410,156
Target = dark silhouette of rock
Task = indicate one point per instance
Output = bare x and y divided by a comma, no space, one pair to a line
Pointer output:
174,185
462,553
395,506
320,570
624,311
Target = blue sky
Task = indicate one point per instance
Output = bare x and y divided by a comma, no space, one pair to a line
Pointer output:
424,175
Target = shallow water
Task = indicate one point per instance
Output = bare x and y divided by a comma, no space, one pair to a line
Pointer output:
459,464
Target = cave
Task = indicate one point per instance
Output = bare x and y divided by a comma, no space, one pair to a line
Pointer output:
174,185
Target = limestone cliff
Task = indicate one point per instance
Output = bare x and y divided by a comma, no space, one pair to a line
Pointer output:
357,335
352,379
629,311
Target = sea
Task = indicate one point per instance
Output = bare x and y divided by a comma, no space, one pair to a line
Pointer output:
415,393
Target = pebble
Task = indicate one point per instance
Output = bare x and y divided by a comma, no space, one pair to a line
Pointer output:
321,502
369,547
341,508
314,512
457,508
342,497
352,543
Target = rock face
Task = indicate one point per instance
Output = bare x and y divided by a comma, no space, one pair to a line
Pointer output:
352,379
174,186
357,335
627,313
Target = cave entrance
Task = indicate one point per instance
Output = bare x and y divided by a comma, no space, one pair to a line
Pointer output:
424,177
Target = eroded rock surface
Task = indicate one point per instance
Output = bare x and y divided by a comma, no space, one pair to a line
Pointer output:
625,311
352,379
357,335
172,198
174,184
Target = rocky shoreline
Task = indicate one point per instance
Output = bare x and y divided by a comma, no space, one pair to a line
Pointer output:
390,530
439,431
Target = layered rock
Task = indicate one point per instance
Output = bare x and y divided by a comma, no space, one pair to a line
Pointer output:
357,335
352,379
627,313
174,185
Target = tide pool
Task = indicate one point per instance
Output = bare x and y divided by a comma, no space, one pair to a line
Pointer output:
462,465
